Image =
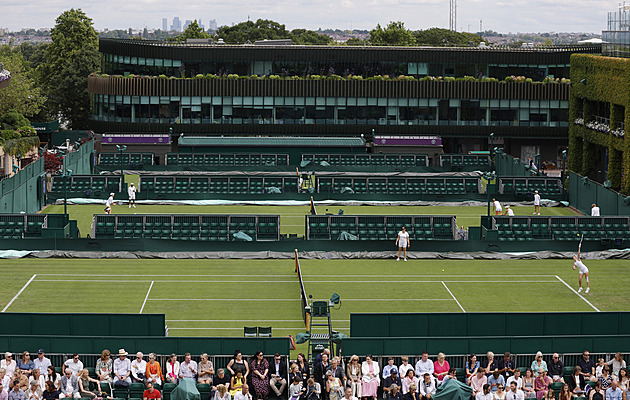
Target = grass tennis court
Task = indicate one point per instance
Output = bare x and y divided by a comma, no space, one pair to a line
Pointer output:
291,217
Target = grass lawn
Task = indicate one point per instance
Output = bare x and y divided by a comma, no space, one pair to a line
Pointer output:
291,217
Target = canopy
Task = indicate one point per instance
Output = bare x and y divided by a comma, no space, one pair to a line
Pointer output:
453,390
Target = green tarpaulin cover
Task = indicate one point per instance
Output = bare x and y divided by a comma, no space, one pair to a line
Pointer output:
453,390
242,236
186,390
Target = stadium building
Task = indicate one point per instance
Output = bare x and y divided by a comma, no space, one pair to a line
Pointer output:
275,90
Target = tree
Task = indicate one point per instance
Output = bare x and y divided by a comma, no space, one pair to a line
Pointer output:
192,31
12,119
304,36
70,58
21,95
395,34
252,31
446,37
357,42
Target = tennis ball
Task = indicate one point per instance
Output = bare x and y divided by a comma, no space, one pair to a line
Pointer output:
442,270
578,235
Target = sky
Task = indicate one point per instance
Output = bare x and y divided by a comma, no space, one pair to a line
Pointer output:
501,16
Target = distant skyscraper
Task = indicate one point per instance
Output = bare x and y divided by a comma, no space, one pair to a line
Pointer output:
200,24
188,22
164,24
212,25
177,25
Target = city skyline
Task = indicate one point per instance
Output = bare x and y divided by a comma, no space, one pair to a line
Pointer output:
500,16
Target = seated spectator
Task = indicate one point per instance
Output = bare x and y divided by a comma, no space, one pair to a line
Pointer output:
313,390
336,369
500,393
153,372
54,377
550,395
424,365
334,388
556,368
614,392
490,365
243,394
104,366
353,373
528,384
84,385
577,381
34,392
412,394
51,392
69,385
565,393
75,365
515,378
541,384
472,365
370,380
538,363
151,392
495,380
394,393
278,372
514,393
16,393
122,369
451,375
236,384
302,364
220,379
38,378
391,380
172,369
260,375
138,368
206,370
484,394
222,392
624,382
4,395
42,363
296,389
402,370
5,379
409,380
26,364
606,379
506,365
587,366
8,364
20,379
617,364
428,386
388,367
188,368
294,371
597,393
479,381
599,367
441,367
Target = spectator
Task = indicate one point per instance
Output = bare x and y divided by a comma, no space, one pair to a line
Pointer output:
617,364
577,381
25,364
220,379
370,380
402,370
4,395
20,379
440,367
205,369
353,373
388,367
221,392
54,376
84,385
515,378
42,363
51,392
69,385
337,370
104,366
624,382
412,394
461,233
34,392
472,365
172,369
75,365
550,395
587,366
495,380
238,363
541,384
394,393
334,388
599,367
5,379
236,383
151,392
490,365
320,370
188,368
296,389
428,386
565,393
528,383
556,368
154,371
138,368
8,364
613,392
38,378
243,394
16,393
538,363
484,394
391,380
294,371
597,393
424,365
506,366
451,375
122,369
278,375
304,368
595,210
514,393
318,358
409,380
313,390
478,382
260,375
500,393
606,379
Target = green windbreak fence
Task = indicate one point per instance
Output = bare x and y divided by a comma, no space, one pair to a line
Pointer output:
596,343
436,325
24,192
506,165
159,345
583,193
56,324
80,161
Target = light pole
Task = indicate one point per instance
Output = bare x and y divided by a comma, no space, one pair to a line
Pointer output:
120,155
491,147
66,175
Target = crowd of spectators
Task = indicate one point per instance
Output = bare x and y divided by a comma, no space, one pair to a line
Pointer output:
326,378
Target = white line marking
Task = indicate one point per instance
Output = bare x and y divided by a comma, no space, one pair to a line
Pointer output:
245,320
146,297
454,298
210,275
574,291
300,299
301,328
291,281
293,275
19,293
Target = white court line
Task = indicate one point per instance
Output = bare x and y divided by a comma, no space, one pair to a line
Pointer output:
300,299
303,275
146,297
582,297
454,298
301,328
169,275
19,293
245,320
306,281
